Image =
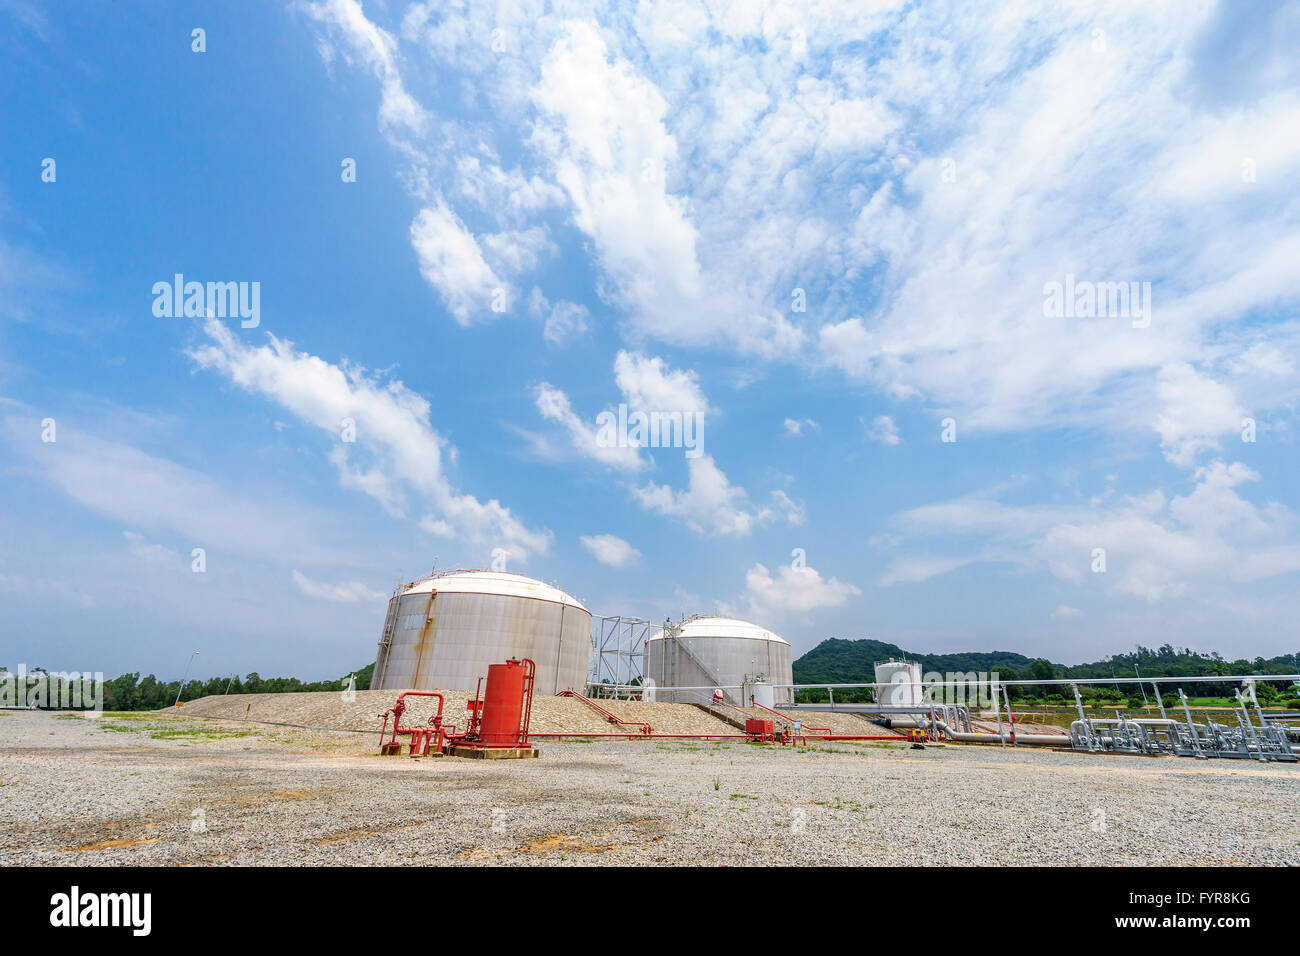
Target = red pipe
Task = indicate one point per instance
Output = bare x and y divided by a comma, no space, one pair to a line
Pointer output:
642,736
421,737
804,737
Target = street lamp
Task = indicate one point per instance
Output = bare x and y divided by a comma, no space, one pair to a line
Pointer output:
183,679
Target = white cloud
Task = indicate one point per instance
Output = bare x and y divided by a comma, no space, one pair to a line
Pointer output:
603,132
567,321
710,504
452,262
512,194
141,490
1064,612
564,320
518,250
347,592
913,569
1156,547
716,159
392,431
377,50
883,430
610,549
1196,411
611,154
554,406
648,384
795,426
789,509
792,590
139,546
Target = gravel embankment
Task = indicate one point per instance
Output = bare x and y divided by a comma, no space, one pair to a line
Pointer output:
334,711
158,789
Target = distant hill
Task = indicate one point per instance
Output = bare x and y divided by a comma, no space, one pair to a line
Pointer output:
839,661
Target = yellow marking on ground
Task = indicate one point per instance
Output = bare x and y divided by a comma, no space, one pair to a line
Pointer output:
115,844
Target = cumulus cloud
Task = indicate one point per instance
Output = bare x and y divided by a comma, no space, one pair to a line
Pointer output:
709,504
610,549
564,321
346,592
452,261
376,49
403,453
606,138
791,590
883,430
554,406
796,426
1196,412
1155,547
648,384
716,160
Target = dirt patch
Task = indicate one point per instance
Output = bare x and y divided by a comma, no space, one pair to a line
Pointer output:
115,844
565,843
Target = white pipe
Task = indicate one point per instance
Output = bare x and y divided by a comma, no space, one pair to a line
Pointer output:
1049,739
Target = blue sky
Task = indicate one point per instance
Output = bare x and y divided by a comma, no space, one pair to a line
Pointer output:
639,190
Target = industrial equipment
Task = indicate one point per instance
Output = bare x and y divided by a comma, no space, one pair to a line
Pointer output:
498,719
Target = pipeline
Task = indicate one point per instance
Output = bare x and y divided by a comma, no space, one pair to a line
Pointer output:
422,738
779,738
1058,740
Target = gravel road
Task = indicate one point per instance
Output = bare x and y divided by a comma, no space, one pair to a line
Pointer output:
159,789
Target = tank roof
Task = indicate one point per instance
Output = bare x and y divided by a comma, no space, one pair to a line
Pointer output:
507,583
701,625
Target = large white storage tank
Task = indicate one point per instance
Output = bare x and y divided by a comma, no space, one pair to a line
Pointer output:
443,631
714,652
902,680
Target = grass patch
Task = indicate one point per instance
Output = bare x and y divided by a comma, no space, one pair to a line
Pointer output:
160,731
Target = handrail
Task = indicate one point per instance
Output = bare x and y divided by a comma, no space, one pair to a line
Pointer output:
789,720
611,717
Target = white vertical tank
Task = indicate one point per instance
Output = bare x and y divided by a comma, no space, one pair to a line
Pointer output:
443,631
904,683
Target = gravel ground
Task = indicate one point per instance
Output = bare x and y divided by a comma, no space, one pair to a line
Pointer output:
363,712
162,789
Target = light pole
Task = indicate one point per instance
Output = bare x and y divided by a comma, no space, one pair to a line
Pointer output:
183,679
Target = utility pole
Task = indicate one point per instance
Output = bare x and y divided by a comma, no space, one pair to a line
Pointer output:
183,679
